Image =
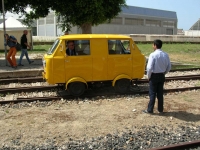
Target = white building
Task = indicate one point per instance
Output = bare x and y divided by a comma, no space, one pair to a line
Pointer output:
132,20
194,30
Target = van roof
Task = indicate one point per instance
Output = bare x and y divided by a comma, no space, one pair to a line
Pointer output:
83,36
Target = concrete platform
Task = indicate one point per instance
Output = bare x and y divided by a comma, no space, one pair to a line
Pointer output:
28,70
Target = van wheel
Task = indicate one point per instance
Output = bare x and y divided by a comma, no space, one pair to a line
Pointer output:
76,88
122,85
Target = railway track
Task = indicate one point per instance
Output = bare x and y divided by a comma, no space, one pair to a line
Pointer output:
88,93
39,79
91,94
50,87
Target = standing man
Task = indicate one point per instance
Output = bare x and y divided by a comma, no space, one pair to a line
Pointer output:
24,45
158,65
11,42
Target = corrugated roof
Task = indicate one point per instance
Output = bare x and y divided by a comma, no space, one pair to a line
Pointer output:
196,26
149,12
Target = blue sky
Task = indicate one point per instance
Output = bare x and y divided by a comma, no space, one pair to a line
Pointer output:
187,11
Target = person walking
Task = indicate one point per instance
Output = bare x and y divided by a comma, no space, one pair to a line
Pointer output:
24,45
11,42
158,65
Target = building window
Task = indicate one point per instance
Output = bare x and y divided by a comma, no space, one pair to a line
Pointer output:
50,19
169,24
116,20
41,21
155,23
132,21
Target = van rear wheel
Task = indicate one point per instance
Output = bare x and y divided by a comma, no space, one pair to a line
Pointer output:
76,88
122,85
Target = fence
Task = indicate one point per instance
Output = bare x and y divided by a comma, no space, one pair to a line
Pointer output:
136,38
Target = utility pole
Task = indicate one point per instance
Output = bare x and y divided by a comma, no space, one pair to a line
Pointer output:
4,29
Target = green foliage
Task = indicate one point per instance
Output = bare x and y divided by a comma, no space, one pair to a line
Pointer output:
70,12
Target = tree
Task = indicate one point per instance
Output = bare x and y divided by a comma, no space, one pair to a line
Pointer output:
81,13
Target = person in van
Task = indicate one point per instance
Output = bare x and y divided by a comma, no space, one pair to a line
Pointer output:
11,42
70,51
110,47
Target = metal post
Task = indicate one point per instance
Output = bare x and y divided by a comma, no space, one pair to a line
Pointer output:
4,29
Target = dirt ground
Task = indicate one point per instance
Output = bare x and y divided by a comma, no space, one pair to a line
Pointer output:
85,119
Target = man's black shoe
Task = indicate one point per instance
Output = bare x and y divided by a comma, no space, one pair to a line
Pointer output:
145,111
31,62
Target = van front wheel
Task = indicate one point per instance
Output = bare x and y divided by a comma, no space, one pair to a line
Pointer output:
122,85
76,88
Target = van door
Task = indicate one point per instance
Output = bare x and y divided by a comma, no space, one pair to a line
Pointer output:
99,55
79,64
119,58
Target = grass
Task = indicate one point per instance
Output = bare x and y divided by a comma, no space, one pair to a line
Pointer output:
198,83
183,53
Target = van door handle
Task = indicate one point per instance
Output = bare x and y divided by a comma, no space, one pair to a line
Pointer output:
129,58
66,60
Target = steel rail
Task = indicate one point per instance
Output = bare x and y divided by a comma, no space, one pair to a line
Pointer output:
40,79
179,146
27,89
185,77
185,69
22,80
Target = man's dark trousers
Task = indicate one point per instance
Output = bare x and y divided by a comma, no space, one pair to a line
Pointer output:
156,84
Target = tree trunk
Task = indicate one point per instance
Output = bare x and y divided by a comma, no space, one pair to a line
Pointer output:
86,28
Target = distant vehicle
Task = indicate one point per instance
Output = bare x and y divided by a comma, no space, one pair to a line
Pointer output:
100,59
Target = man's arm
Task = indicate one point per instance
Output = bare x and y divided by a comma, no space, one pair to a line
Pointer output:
150,66
168,66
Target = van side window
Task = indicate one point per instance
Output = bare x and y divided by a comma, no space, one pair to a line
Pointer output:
118,47
82,47
77,47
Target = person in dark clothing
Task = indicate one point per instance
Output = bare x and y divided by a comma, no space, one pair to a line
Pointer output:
158,65
24,45
11,42
70,51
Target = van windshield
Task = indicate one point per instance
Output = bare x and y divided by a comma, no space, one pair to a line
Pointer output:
53,47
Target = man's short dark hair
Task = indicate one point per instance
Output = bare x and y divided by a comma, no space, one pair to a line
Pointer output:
70,41
158,43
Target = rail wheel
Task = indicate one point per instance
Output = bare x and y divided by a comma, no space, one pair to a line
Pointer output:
76,88
122,85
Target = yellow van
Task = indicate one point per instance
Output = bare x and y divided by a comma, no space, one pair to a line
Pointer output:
82,60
